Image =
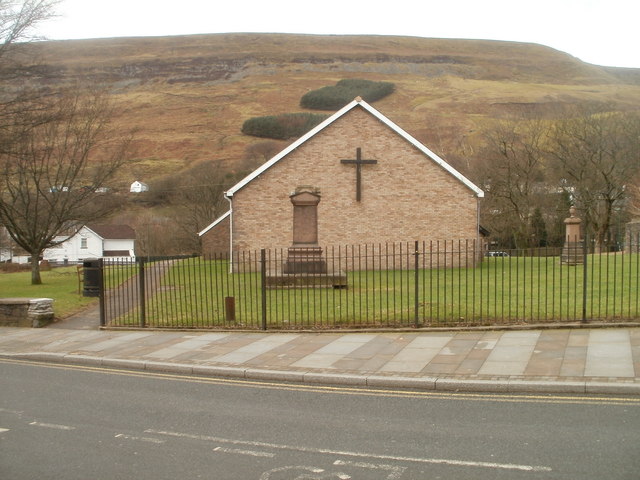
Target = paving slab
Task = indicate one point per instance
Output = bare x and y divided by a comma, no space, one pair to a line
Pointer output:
584,360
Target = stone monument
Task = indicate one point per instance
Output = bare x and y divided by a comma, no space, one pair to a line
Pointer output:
305,265
573,249
305,255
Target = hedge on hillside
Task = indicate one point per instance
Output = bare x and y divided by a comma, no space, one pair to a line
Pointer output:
337,96
282,127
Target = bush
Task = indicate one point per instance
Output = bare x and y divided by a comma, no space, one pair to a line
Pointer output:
282,127
9,267
337,96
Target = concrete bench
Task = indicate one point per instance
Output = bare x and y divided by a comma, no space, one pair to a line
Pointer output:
26,312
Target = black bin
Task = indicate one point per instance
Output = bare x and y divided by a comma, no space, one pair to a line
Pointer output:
91,277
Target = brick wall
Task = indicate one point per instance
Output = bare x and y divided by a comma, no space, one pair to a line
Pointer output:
216,240
405,196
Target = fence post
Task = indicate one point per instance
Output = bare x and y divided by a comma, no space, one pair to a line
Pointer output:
585,276
103,320
263,287
141,293
416,289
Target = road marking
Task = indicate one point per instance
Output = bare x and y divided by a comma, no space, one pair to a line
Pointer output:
267,475
2,430
140,439
486,397
52,425
338,453
396,471
252,453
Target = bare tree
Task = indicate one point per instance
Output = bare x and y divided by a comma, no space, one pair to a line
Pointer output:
200,200
255,154
596,155
18,19
55,156
511,173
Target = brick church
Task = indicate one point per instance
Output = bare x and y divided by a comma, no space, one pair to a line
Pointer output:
372,183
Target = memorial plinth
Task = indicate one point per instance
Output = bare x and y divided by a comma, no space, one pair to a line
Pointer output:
573,249
305,265
305,259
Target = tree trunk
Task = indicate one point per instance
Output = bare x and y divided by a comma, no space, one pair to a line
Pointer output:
35,269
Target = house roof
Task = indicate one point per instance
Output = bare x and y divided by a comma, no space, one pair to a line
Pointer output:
113,232
358,102
215,222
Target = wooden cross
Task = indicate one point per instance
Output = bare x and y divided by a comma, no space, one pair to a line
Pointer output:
358,163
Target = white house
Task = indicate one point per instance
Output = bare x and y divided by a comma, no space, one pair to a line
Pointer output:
95,241
138,187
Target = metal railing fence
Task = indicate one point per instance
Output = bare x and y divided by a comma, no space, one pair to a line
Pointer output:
410,284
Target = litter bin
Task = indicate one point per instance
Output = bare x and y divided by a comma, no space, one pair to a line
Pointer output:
92,274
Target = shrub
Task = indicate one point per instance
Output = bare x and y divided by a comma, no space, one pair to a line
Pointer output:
337,96
282,127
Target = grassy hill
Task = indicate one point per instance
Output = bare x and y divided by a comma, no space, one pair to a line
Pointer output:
189,95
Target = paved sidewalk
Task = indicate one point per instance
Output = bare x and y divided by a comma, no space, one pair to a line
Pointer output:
580,360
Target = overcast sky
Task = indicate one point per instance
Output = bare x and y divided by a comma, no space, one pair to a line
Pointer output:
603,32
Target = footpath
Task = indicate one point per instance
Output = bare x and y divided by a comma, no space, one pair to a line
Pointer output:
567,360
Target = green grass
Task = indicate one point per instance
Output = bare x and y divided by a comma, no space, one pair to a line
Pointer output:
501,290
61,284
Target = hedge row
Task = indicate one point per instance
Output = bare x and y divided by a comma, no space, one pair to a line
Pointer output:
294,125
343,92
282,127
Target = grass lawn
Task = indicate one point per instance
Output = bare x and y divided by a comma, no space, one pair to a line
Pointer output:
501,290
61,284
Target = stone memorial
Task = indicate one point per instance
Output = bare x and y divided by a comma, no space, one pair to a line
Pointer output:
305,255
573,249
305,264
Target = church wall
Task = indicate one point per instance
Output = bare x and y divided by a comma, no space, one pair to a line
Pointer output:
405,196
216,241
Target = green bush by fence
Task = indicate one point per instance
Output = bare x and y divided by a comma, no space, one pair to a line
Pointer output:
337,96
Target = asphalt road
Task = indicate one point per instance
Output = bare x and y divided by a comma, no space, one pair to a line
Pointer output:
61,422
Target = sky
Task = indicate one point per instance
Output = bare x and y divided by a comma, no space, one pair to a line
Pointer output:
602,32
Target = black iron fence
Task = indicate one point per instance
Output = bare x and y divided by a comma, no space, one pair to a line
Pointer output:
414,284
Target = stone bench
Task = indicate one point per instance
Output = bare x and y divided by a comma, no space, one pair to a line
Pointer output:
26,312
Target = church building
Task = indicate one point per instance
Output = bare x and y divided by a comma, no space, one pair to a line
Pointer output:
360,178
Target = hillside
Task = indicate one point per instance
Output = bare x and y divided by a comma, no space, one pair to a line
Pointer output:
189,95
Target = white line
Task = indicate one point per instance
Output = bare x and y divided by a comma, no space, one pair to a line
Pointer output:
396,470
251,453
140,439
52,425
441,461
2,430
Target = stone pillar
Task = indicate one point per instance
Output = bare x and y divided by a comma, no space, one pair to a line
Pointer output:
305,256
573,249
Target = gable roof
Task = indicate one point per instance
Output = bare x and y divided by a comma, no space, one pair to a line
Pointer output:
358,102
113,232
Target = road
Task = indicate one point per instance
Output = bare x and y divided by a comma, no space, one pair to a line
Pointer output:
59,422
